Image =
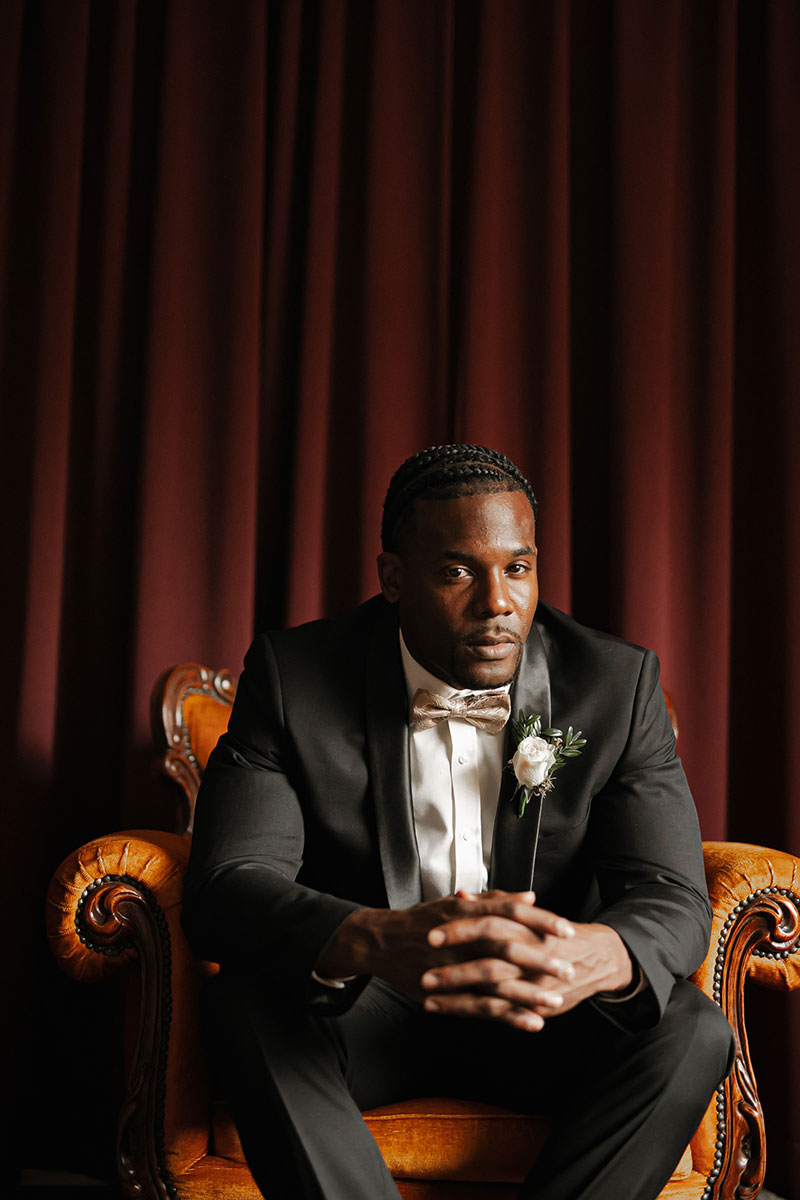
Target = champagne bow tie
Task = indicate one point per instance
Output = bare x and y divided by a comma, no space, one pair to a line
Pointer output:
488,711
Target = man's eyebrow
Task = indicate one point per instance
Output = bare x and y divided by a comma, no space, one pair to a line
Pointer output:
463,556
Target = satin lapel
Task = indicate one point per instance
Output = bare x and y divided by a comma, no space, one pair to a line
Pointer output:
515,839
387,752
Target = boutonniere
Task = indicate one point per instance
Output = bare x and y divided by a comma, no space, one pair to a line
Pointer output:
539,754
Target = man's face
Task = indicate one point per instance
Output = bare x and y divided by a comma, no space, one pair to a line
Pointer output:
466,587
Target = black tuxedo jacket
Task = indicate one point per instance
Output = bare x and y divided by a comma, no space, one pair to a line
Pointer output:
305,808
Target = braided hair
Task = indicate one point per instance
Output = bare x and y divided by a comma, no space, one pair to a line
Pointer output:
443,473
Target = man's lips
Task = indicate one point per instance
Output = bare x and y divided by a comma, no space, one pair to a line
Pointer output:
492,648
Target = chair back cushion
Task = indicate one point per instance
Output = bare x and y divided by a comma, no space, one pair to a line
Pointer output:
190,708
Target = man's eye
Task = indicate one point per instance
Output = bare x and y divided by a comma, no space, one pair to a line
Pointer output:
456,572
518,569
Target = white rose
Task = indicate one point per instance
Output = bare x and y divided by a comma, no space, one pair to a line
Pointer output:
532,761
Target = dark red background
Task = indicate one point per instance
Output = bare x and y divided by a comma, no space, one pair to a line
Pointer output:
254,254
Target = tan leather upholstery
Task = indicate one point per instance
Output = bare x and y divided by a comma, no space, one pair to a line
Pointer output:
114,905
440,1139
204,720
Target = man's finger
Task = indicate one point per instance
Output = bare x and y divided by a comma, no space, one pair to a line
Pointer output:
480,972
495,925
493,978
525,994
493,1008
528,898
540,918
508,960
520,1018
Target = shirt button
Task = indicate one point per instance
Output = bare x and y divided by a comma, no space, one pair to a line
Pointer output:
465,837
463,758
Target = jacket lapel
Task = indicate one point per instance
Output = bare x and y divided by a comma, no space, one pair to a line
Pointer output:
515,839
387,752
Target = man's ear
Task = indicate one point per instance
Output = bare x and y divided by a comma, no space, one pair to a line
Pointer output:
390,573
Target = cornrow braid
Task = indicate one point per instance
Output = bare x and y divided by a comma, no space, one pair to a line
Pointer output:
443,472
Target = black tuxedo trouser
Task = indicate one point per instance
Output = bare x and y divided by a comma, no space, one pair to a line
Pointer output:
624,1105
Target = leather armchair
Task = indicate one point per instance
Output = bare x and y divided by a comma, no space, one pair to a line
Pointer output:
113,906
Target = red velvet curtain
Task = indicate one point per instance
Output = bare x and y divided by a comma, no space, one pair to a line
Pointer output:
253,254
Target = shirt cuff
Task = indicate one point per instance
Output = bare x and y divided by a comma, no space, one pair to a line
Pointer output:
637,985
332,983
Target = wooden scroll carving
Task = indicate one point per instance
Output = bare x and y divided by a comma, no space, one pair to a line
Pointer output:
117,914
171,731
766,923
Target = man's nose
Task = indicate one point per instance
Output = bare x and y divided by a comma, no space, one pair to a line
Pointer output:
493,598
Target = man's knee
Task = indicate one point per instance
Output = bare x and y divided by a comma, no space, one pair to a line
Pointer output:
705,1031
252,1035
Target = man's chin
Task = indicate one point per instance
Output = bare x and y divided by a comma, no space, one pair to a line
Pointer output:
476,674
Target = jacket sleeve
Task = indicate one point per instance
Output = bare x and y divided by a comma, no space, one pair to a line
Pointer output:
242,904
648,855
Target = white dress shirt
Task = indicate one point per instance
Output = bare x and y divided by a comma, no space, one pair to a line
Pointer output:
455,772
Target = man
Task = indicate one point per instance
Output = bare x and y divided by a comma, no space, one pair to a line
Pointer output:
360,869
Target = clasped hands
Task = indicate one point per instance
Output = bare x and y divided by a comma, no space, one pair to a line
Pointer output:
494,955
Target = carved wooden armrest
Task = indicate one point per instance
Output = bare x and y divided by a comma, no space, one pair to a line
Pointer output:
755,898
105,898
115,903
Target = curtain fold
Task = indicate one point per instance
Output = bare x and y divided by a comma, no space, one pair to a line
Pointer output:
253,255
